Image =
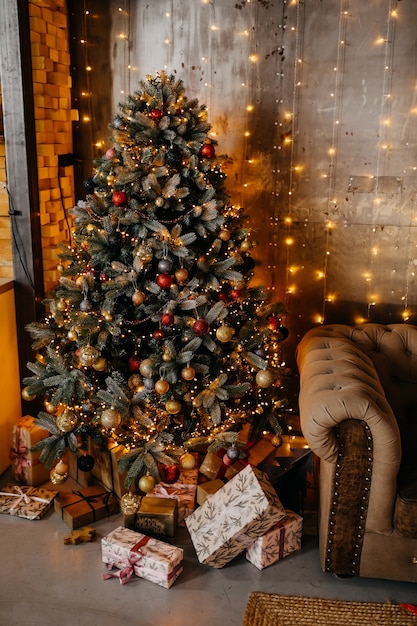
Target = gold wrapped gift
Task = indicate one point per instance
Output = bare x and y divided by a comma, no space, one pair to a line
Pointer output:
204,490
157,516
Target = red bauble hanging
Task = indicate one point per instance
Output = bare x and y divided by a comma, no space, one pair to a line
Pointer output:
273,322
235,294
156,114
119,198
207,150
201,327
159,333
134,363
164,281
167,319
170,473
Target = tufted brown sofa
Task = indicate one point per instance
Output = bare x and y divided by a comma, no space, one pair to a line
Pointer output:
358,412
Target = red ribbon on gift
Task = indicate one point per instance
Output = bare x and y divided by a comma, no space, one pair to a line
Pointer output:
125,572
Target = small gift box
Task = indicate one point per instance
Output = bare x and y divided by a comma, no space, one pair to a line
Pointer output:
26,467
184,495
211,466
279,541
233,517
28,502
106,466
157,516
134,553
204,490
78,508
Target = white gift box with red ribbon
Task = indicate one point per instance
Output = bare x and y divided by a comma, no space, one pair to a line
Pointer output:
128,554
278,542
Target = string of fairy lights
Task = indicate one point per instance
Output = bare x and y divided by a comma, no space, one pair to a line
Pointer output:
288,83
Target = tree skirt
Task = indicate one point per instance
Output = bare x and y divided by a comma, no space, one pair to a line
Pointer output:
264,609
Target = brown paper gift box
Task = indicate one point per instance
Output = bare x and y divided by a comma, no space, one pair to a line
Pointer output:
85,506
157,516
28,502
26,467
106,466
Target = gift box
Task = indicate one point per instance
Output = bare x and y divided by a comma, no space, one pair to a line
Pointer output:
134,553
157,516
106,466
26,467
211,466
233,517
27,502
204,490
78,508
184,495
279,541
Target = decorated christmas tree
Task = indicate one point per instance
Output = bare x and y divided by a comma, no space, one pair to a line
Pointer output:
153,336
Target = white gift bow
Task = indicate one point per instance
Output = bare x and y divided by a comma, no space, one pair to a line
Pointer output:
22,496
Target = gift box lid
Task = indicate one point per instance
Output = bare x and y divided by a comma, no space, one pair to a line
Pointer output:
159,506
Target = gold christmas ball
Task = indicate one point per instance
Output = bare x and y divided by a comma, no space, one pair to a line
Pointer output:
61,305
187,461
108,316
166,356
245,245
40,358
61,467
146,483
80,280
134,382
276,441
72,335
88,355
138,297
110,418
181,275
60,267
225,333
146,368
129,503
161,386
188,373
100,365
173,407
264,378
56,478
50,408
67,420
224,234
26,395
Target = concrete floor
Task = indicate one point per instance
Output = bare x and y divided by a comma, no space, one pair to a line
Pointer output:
46,583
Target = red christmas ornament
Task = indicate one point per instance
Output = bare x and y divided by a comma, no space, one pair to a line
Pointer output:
169,473
207,150
164,281
110,153
156,114
235,294
119,198
134,363
201,327
273,322
223,296
167,319
159,333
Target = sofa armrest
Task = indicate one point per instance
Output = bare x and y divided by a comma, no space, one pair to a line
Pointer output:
338,382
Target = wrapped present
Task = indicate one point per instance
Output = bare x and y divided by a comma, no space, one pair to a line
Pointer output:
106,466
233,517
26,467
78,508
211,466
28,502
85,479
134,553
157,516
279,541
204,490
185,495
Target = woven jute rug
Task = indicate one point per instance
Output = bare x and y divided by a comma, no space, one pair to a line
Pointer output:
264,609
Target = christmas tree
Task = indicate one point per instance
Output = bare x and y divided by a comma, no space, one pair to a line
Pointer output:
154,336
